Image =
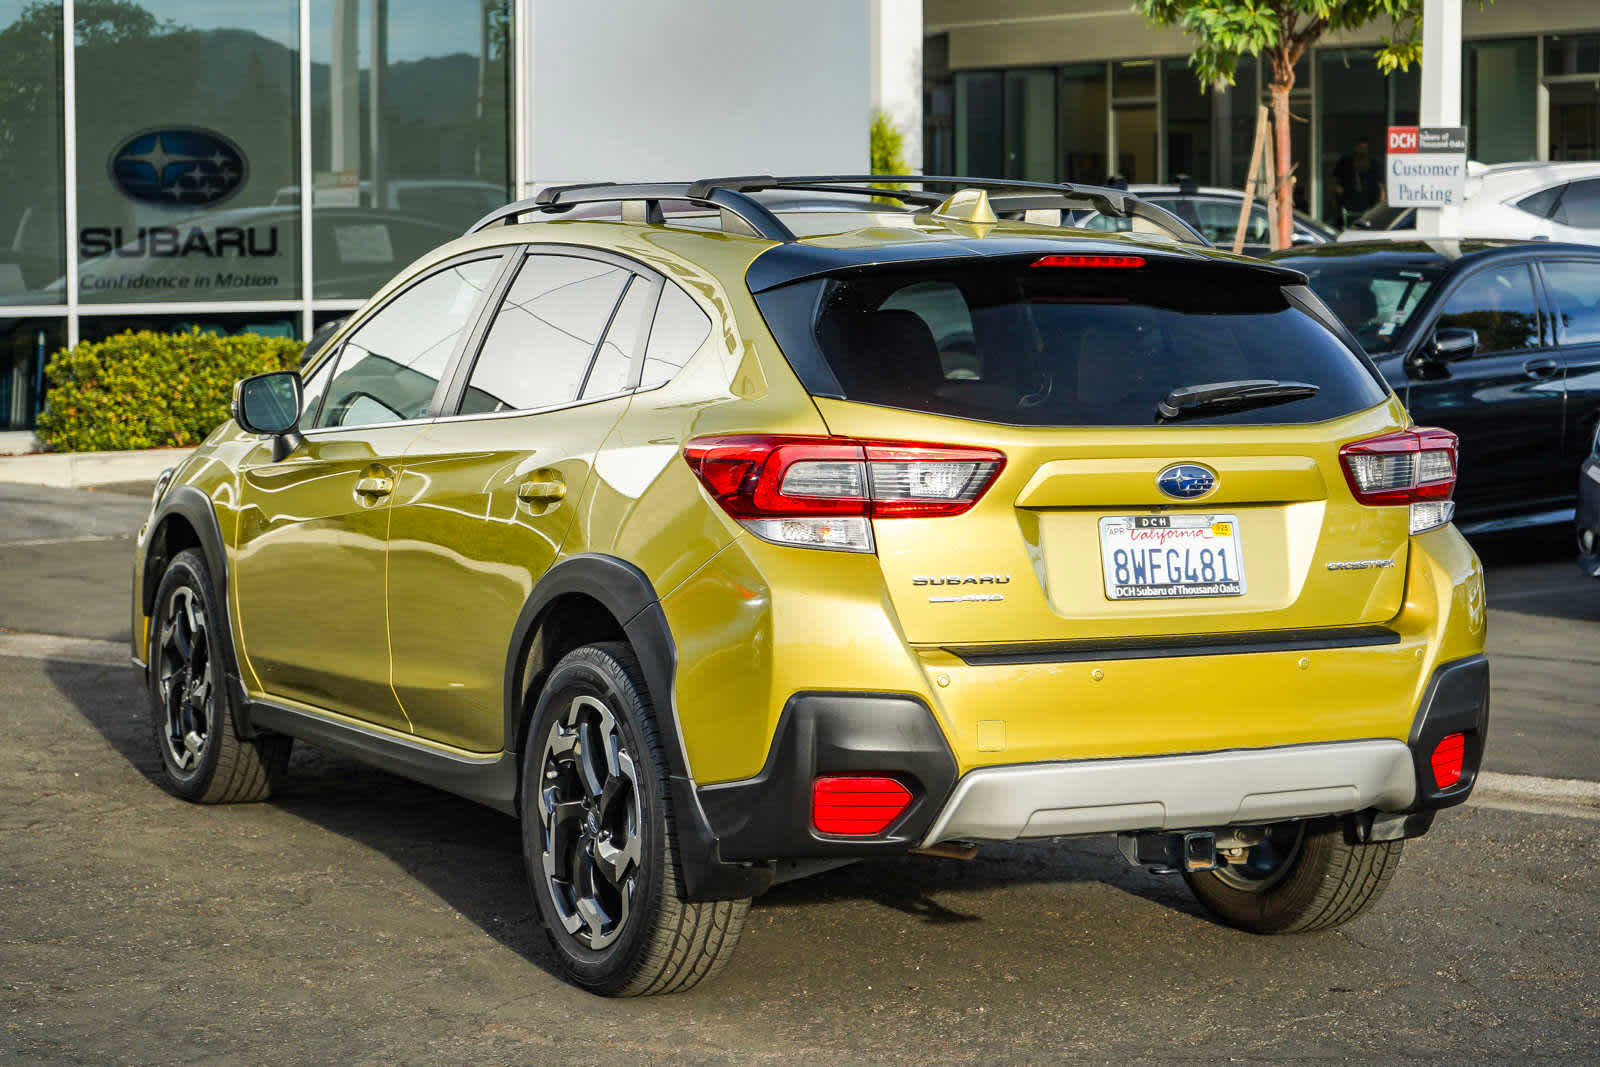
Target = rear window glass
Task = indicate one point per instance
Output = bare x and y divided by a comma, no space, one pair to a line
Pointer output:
1070,346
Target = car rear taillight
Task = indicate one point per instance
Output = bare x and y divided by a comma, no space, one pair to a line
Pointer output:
856,805
1448,756
823,492
1416,467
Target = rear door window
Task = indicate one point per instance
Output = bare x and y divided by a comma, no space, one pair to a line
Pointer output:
1580,206
1072,347
545,334
1575,290
1499,303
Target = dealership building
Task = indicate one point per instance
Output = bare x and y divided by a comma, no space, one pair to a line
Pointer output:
265,165
1083,90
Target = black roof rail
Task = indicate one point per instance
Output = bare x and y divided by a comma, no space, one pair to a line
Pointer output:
746,213
740,210
1010,194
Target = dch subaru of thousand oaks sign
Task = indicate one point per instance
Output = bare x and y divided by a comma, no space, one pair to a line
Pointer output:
1427,165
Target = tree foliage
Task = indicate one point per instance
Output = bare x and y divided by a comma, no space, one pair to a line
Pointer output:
1224,30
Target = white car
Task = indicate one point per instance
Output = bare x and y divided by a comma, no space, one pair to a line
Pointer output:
1525,201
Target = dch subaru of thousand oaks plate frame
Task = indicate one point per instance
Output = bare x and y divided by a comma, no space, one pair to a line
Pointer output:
1152,557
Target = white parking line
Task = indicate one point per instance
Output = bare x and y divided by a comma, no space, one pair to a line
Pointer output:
1571,797
87,539
64,649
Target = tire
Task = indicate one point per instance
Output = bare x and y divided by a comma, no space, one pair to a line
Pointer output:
1305,877
597,837
191,703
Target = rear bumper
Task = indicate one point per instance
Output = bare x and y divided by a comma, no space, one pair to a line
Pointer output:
768,817
1208,789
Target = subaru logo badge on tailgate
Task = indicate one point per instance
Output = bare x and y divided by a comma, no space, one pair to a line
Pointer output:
180,166
1186,481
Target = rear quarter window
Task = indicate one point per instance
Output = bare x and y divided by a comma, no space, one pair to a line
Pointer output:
1070,347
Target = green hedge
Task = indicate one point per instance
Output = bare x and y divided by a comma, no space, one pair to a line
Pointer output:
150,390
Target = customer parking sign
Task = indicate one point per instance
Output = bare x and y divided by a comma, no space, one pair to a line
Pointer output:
1427,165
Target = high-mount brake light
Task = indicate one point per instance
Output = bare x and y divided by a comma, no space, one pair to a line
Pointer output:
1089,260
823,492
1416,467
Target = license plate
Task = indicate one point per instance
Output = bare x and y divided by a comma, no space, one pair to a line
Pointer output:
1148,557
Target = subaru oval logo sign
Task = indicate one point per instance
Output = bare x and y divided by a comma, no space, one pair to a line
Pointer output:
1185,481
181,167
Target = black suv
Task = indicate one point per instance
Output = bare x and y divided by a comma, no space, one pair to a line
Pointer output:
1496,340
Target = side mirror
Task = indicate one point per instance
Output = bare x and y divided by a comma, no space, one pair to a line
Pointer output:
1450,343
1300,237
269,404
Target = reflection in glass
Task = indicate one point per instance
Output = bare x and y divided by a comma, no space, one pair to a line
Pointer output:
410,113
186,128
25,346
1357,104
32,255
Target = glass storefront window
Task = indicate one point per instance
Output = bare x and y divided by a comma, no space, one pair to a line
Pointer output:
980,142
33,256
1031,125
1575,120
1081,110
1356,104
1137,131
1236,124
1188,133
26,344
411,131
1134,79
266,323
186,131
1501,92
1571,54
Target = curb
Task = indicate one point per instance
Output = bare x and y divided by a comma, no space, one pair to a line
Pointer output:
80,470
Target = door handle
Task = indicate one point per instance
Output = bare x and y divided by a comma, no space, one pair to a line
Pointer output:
1539,369
532,492
375,486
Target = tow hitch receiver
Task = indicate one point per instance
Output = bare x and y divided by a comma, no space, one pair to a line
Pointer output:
1170,853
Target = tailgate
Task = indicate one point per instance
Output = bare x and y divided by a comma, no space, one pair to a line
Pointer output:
1036,560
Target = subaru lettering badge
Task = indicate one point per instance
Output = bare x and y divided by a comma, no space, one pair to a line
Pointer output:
1185,481
180,166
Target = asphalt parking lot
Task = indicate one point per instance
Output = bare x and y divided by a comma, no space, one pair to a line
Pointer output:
360,918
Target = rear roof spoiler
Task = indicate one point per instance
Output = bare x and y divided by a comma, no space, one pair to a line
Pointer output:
797,262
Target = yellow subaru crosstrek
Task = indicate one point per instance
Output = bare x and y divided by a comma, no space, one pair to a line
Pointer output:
732,539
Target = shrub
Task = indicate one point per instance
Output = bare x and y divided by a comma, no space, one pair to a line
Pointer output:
887,146
150,390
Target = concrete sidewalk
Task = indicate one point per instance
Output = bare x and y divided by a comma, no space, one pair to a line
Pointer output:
79,470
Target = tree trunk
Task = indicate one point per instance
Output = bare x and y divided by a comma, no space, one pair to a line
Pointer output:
1283,201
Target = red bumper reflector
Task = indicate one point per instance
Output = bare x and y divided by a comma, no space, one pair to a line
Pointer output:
1448,755
1090,260
856,806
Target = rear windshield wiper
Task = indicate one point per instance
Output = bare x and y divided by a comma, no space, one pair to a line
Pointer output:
1212,397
